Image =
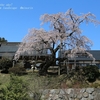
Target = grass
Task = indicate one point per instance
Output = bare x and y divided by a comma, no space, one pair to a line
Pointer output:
4,78
47,82
37,84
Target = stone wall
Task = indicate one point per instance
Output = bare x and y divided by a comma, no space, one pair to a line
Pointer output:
71,94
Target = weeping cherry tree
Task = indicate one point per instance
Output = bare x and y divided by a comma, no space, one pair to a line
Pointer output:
64,34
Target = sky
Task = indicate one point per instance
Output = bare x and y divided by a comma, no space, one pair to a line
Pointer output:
18,16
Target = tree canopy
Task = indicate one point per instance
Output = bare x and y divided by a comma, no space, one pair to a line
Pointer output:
64,34
2,40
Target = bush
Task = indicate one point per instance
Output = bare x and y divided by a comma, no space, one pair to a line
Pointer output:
91,72
5,63
5,71
15,90
17,70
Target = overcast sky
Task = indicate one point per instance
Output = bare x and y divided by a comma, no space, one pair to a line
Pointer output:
18,16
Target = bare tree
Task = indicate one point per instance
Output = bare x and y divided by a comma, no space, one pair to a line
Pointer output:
64,34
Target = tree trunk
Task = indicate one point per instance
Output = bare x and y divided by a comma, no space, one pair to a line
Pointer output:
52,61
44,66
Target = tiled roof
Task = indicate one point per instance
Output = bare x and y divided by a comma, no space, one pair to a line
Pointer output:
95,53
12,47
9,47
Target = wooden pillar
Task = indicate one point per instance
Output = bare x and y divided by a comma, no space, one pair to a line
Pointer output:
58,70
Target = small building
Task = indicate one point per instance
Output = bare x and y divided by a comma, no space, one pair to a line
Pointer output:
82,59
8,49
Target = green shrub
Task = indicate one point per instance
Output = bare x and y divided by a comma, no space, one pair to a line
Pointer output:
5,63
15,90
17,70
91,72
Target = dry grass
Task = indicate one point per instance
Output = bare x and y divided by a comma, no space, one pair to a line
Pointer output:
4,78
49,81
